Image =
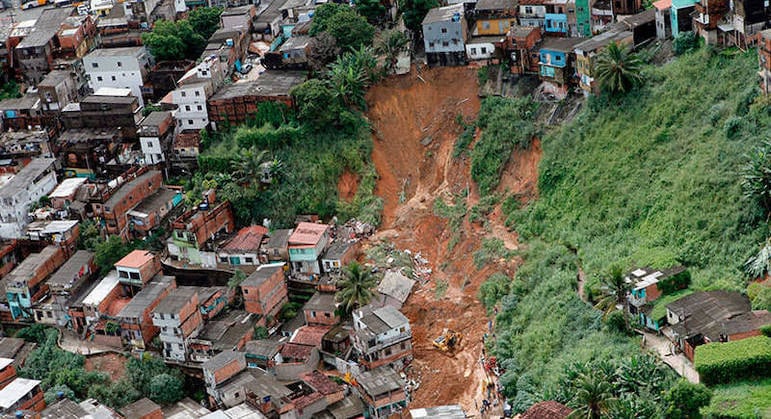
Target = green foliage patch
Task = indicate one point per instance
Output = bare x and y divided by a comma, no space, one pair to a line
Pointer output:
507,125
745,399
731,361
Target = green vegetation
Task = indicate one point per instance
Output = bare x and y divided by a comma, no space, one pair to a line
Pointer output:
350,30
9,90
174,40
454,213
205,20
650,178
731,361
464,139
372,10
495,287
618,69
685,399
62,371
746,399
390,44
414,11
760,295
356,288
492,249
507,124
440,288
685,42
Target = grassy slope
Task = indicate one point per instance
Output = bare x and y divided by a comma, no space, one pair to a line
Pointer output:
651,180
749,399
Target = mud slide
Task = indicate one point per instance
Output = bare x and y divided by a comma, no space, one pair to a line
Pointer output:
414,122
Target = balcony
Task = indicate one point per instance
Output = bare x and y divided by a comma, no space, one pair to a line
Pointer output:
384,343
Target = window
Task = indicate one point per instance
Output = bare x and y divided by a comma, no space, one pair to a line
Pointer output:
190,122
431,44
327,315
403,346
485,25
235,395
112,77
98,78
473,51
187,108
313,314
183,94
123,274
528,10
48,314
200,108
484,50
445,44
248,260
120,64
245,290
197,93
179,345
95,65
223,259
444,30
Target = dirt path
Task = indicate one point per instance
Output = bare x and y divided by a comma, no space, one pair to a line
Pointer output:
415,130
663,347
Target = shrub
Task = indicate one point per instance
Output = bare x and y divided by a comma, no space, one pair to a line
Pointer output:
506,124
760,295
495,287
685,42
675,282
731,361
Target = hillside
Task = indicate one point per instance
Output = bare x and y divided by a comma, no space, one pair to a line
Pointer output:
649,179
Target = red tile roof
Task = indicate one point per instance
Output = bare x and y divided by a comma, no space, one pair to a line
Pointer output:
310,335
248,238
307,234
662,4
321,383
295,351
547,410
135,259
531,2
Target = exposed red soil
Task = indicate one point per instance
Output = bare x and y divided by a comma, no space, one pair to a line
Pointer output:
415,130
347,185
110,363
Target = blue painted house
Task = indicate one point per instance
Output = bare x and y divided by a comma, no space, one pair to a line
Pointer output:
647,286
25,285
556,23
555,63
680,16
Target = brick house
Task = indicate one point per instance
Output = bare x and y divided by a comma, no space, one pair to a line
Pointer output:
321,310
143,408
7,371
195,228
136,324
21,394
219,369
382,391
178,318
138,268
63,285
265,291
25,285
116,208
229,332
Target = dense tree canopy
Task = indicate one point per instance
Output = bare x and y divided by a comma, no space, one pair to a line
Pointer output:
618,69
174,40
372,10
205,20
414,11
349,29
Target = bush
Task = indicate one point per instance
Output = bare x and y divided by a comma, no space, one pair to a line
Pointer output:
685,42
684,400
506,124
760,295
675,282
732,361
495,287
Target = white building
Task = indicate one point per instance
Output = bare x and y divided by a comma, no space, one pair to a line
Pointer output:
193,89
18,192
155,136
92,301
118,67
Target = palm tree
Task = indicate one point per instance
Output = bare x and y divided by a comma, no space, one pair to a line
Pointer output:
614,290
756,176
390,44
248,170
355,288
618,70
592,398
759,265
